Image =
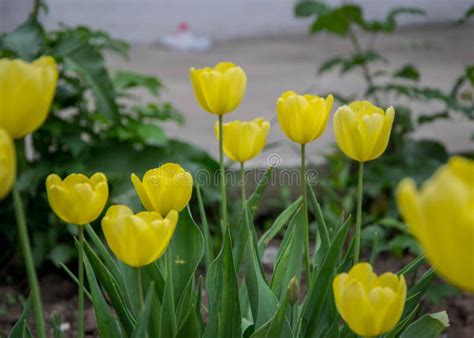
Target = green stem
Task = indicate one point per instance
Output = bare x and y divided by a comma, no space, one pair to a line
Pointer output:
30,267
359,213
243,195
222,177
80,314
305,213
138,275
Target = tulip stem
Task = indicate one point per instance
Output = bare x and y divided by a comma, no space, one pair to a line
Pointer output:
138,275
305,213
29,264
242,184
222,177
359,213
80,314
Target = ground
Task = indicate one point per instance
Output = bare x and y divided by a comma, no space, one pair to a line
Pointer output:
274,65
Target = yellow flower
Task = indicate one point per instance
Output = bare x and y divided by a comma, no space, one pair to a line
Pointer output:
362,130
163,189
244,139
441,216
140,239
303,118
7,163
78,199
26,92
371,305
219,90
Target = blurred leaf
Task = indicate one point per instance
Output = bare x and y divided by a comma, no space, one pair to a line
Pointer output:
26,42
151,134
428,326
391,21
439,292
62,253
409,72
425,118
305,8
337,21
125,79
467,15
162,112
358,59
330,64
81,57
20,329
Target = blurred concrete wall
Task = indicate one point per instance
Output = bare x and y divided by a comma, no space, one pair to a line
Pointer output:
144,21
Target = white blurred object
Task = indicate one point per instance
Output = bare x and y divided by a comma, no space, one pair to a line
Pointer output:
186,40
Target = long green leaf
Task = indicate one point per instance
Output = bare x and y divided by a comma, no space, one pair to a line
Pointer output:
106,322
428,326
116,295
223,294
255,198
273,328
288,263
187,249
154,273
320,287
263,301
278,224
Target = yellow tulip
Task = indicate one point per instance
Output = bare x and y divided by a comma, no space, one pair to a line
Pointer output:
140,239
303,118
371,305
78,199
163,189
441,216
26,92
7,163
219,90
244,139
362,130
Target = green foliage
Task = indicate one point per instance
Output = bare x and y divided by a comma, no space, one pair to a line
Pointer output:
97,123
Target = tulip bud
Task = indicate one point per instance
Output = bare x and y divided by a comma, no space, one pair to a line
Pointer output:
441,216
303,118
219,90
163,189
244,139
77,199
362,130
138,240
371,305
293,290
7,163
26,93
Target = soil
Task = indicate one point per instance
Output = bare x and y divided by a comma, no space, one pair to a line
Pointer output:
60,299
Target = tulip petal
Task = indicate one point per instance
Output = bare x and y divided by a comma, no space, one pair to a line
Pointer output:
394,310
357,311
142,195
